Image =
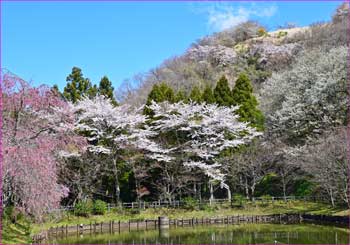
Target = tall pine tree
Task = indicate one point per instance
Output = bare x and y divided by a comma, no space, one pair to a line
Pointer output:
208,96
78,86
180,96
159,93
242,95
196,95
222,93
105,88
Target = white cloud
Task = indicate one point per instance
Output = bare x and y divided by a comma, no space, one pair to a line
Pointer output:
222,16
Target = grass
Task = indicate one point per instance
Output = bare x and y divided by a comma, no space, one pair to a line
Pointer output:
209,211
20,232
15,233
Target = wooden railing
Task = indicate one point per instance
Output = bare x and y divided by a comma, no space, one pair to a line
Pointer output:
148,224
181,203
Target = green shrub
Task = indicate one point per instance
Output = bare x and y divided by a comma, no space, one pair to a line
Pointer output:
282,34
135,211
265,199
8,213
261,32
239,199
100,207
190,203
208,207
83,208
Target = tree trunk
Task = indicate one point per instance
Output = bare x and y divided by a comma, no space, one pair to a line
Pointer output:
284,188
116,181
332,198
252,188
211,191
229,197
246,188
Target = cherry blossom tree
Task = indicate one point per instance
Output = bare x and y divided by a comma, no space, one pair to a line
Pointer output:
112,130
201,132
332,171
310,98
37,126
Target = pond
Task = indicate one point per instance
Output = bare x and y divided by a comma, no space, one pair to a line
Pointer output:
221,234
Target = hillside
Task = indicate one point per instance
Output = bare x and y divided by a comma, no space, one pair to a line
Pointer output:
246,47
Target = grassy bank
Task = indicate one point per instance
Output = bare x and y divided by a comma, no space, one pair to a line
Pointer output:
20,232
209,211
16,233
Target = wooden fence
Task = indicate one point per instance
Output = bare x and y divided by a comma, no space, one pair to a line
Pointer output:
181,203
148,224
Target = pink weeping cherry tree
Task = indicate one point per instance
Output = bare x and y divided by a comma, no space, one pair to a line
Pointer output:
37,126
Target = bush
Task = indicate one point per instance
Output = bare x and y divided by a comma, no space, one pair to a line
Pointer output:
13,215
8,213
209,208
238,198
83,208
190,203
100,207
265,199
262,32
282,34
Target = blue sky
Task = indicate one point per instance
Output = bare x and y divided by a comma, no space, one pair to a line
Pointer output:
42,41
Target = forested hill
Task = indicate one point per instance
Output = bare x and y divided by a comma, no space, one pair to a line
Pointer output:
244,48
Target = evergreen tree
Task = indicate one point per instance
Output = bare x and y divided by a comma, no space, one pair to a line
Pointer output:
78,86
105,88
242,95
56,90
180,96
222,93
208,96
196,95
167,93
159,93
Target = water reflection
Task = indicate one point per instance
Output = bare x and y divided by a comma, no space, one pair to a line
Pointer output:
221,234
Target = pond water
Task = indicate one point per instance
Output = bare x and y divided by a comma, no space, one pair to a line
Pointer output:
221,234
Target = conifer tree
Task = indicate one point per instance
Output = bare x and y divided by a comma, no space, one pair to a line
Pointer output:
222,93
105,88
208,96
196,95
180,96
56,90
242,95
159,93
78,86
167,92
